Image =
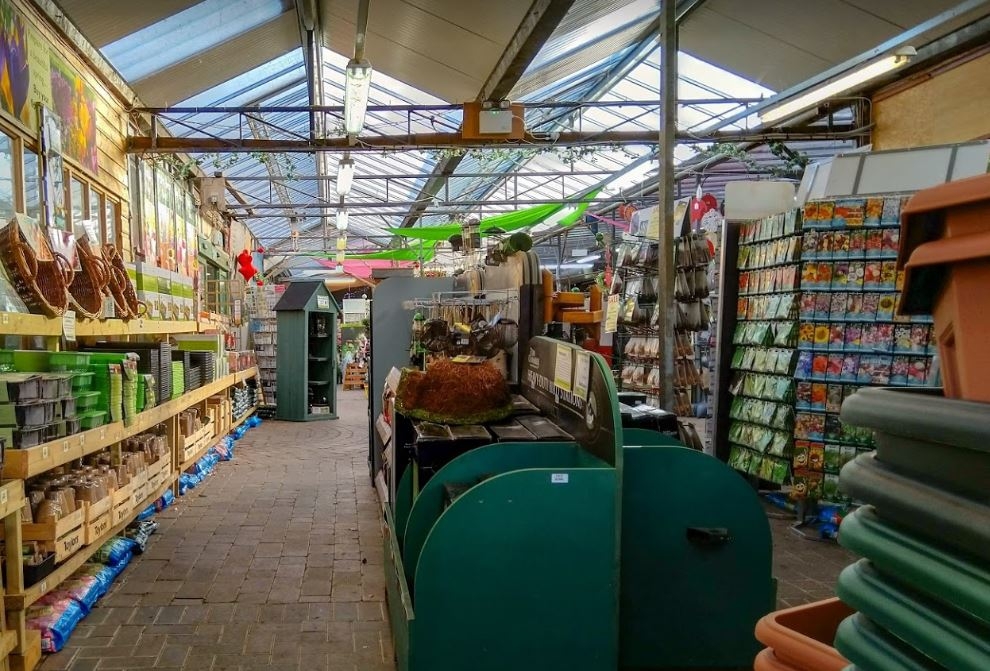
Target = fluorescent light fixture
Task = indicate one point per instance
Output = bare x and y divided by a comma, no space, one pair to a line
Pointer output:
839,86
589,257
357,87
568,266
345,176
342,217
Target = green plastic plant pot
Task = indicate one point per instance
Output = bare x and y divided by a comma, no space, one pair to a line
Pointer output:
919,432
870,648
946,576
952,639
934,514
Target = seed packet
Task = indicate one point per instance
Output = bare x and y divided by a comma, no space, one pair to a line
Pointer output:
850,368
806,336
871,338
824,275
833,431
891,214
809,245
739,458
826,212
771,306
837,336
783,419
871,301
833,398
760,361
792,221
837,305
785,310
885,307
902,339
818,393
873,211
888,275
854,307
899,370
789,277
815,485
854,336
744,283
803,368
857,271
823,305
824,250
890,242
807,310
880,374
918,370
810,214
840,245
899,281
819,366
871,275
865,372
830,487
809,276
921,338
834,370
742,308
821,336
832,452
840,275
800,458
803,395
849,213
857,244
874,243
780,470
816,450
884,338
785,334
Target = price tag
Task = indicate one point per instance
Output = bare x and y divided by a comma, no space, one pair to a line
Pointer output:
65,446
82,440
44,452
3,497
43,586
103,433
612,314
560,478
69,325
5,318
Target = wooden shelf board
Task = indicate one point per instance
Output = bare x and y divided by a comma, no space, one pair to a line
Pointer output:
31,594
16,323
11,497
32,461
8,641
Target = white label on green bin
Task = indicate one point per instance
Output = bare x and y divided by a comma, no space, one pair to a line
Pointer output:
559,478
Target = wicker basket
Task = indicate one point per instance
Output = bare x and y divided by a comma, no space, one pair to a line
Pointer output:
121,289
91,284
44,285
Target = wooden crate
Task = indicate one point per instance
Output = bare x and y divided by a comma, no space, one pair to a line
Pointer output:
191,445
98,508
123,503
354,377
97,529
64,537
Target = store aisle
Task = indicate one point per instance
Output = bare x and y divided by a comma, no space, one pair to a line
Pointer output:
274,563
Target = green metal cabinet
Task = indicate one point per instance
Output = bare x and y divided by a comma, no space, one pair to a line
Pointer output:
306,358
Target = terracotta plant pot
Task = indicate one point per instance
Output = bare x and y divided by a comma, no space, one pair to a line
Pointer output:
800,638
945,253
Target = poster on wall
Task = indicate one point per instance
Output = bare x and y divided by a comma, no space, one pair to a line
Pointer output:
53,171
148,216
166,223
75,104
31,75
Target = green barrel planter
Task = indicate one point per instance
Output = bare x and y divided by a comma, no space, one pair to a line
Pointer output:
870,648
948,637
941,441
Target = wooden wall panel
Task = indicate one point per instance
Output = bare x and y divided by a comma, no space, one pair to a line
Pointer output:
944,105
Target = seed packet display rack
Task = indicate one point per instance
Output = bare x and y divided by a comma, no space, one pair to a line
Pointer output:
818,324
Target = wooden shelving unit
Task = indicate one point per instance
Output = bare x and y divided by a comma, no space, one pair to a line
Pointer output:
20,648
15,323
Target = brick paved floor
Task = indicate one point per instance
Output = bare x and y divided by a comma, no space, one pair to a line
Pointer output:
276,563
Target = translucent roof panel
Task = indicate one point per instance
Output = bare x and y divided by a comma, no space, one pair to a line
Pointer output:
191,31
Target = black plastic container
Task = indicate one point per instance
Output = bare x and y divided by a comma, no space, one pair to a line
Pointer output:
38,572
920,433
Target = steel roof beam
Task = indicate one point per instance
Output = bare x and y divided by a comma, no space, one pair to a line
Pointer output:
536,28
